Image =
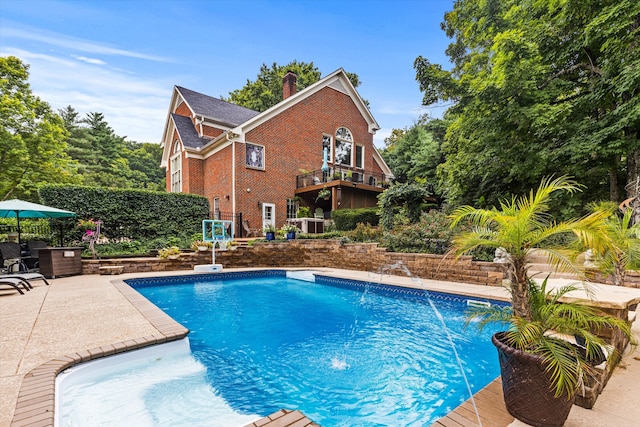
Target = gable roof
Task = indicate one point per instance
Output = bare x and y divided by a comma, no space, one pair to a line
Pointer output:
337,80
186,130
215,109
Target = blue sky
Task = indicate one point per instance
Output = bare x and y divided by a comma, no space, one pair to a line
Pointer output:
123,57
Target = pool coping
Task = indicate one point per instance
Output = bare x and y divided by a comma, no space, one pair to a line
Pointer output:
36,398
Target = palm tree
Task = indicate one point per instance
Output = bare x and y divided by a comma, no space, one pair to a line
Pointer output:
549,331
623,251
522,225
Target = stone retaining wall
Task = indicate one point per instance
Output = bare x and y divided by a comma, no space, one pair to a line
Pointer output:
320,253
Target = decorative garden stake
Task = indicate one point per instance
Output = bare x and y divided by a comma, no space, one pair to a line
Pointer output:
92,236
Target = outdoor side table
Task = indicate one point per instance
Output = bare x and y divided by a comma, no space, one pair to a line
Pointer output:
60,262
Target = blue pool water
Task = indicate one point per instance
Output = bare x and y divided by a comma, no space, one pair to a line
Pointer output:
345,353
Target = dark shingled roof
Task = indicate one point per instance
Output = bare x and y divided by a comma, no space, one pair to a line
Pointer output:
187,132
216,109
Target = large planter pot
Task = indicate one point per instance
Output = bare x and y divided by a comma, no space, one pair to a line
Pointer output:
270,235
525,386
291,235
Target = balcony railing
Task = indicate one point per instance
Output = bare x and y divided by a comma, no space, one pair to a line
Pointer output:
373,179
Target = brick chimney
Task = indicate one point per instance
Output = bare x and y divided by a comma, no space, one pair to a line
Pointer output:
289,84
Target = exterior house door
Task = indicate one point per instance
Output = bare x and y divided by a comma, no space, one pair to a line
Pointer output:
268,214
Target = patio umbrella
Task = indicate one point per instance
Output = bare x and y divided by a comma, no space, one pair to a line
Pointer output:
20,209
325,159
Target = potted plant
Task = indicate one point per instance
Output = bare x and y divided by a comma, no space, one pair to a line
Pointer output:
172,252
201,245
306,176
537,321
624,253
290,231
324,193
270,232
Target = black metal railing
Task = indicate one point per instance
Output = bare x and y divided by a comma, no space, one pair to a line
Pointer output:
229,216
359,176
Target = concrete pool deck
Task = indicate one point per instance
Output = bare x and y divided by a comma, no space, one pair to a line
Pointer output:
77,316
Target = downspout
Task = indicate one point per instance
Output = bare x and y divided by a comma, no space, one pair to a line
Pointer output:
229,137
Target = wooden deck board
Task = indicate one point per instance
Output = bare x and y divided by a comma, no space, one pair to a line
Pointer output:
490,404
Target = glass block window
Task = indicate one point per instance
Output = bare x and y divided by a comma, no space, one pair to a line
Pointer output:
292,208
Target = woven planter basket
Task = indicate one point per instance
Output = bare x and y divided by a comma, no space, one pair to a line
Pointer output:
525,386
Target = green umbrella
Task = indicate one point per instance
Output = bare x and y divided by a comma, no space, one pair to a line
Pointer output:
20,209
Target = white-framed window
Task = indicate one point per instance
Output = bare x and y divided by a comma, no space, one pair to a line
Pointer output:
292,208
176,168
343,147
359,156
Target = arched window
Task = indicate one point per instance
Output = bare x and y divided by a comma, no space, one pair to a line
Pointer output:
176,168
344,147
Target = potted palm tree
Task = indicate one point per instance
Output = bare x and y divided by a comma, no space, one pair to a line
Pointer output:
541,365
624,251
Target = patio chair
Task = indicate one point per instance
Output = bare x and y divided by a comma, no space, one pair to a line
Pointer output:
11,257
248,230
33,260
318,214
14,283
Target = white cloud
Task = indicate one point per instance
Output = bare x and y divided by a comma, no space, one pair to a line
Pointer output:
66,42
93,61
134,107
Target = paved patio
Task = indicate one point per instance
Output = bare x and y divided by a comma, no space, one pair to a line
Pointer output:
77,317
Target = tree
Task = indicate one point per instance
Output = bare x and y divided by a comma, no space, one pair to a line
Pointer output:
266,90
105,159
32,137
415,153
538,87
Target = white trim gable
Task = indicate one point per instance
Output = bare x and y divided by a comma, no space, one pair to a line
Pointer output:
380,162
337,80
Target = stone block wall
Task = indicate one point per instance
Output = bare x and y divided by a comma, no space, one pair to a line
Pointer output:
321,253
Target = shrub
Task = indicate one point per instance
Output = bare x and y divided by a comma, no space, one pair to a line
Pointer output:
130,213
432,234
348,219
364,233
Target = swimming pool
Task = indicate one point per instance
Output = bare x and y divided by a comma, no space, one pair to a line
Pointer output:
343,352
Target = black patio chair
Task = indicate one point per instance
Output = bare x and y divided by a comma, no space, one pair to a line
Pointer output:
11,258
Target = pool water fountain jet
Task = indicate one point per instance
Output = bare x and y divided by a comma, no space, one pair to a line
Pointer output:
400,266
340,361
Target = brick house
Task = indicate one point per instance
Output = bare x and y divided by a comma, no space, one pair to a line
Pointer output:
262,166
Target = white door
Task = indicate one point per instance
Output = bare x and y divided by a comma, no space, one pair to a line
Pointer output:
268,214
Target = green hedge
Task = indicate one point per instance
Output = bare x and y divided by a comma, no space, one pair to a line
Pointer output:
348,219
134,214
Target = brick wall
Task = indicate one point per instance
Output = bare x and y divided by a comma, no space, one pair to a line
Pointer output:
293,140
319,253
